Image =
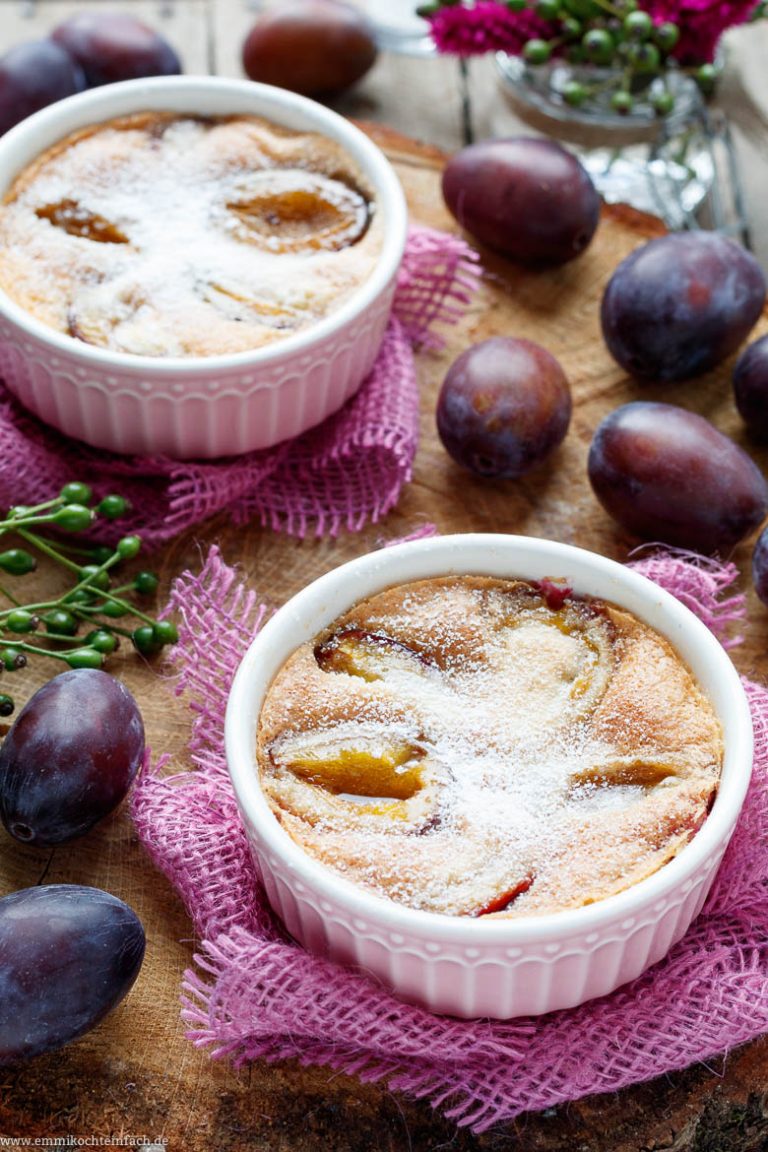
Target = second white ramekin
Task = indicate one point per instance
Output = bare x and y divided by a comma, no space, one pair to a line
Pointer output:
497,968
217,405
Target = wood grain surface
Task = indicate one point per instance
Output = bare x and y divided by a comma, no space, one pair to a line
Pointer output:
136,1075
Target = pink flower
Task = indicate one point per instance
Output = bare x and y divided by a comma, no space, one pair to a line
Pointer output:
486,27
702,23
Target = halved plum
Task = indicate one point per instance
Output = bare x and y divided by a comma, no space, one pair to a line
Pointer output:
292,210
369,655
354,760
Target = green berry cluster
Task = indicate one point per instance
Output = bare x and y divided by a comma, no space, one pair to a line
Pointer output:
78,627
607,36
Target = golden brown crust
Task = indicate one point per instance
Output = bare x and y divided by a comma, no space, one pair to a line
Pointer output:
166,235
471,746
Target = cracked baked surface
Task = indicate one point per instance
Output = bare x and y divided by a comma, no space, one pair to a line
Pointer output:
480,747
169,235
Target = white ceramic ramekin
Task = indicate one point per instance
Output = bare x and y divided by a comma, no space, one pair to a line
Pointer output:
219,405
497,968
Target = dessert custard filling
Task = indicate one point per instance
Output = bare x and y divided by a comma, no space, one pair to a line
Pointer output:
478,747
169,235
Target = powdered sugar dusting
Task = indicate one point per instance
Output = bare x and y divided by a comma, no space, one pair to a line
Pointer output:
162,235
452,741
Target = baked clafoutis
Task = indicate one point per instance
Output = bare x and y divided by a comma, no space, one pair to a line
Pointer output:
481,747
170,235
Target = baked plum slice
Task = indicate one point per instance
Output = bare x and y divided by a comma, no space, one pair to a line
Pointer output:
77,220
290,210
505,899
638,772
369,655
355,760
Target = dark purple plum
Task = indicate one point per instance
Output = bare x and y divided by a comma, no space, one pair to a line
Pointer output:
314,47
111,46
680,304
760,566
33,75
504,406
527,198
70,757
68,956
750,387
668,474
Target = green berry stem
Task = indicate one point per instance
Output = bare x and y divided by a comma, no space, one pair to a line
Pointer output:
11,520
47,549
91,602
42,606
117,629
88,581
121,590
25,521
9,596
36,650
611,9
69,516
597,86
83,612
680,155
82,550
134,611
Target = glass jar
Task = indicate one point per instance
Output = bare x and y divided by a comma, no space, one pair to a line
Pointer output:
668,166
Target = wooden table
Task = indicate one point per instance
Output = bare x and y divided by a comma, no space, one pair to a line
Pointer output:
136,1074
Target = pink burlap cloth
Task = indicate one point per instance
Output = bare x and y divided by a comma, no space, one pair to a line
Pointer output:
347,472
255,994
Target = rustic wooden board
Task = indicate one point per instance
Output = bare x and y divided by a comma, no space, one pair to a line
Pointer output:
137,1074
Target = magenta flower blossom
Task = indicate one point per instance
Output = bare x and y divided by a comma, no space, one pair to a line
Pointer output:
701,24
488,26
485,27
